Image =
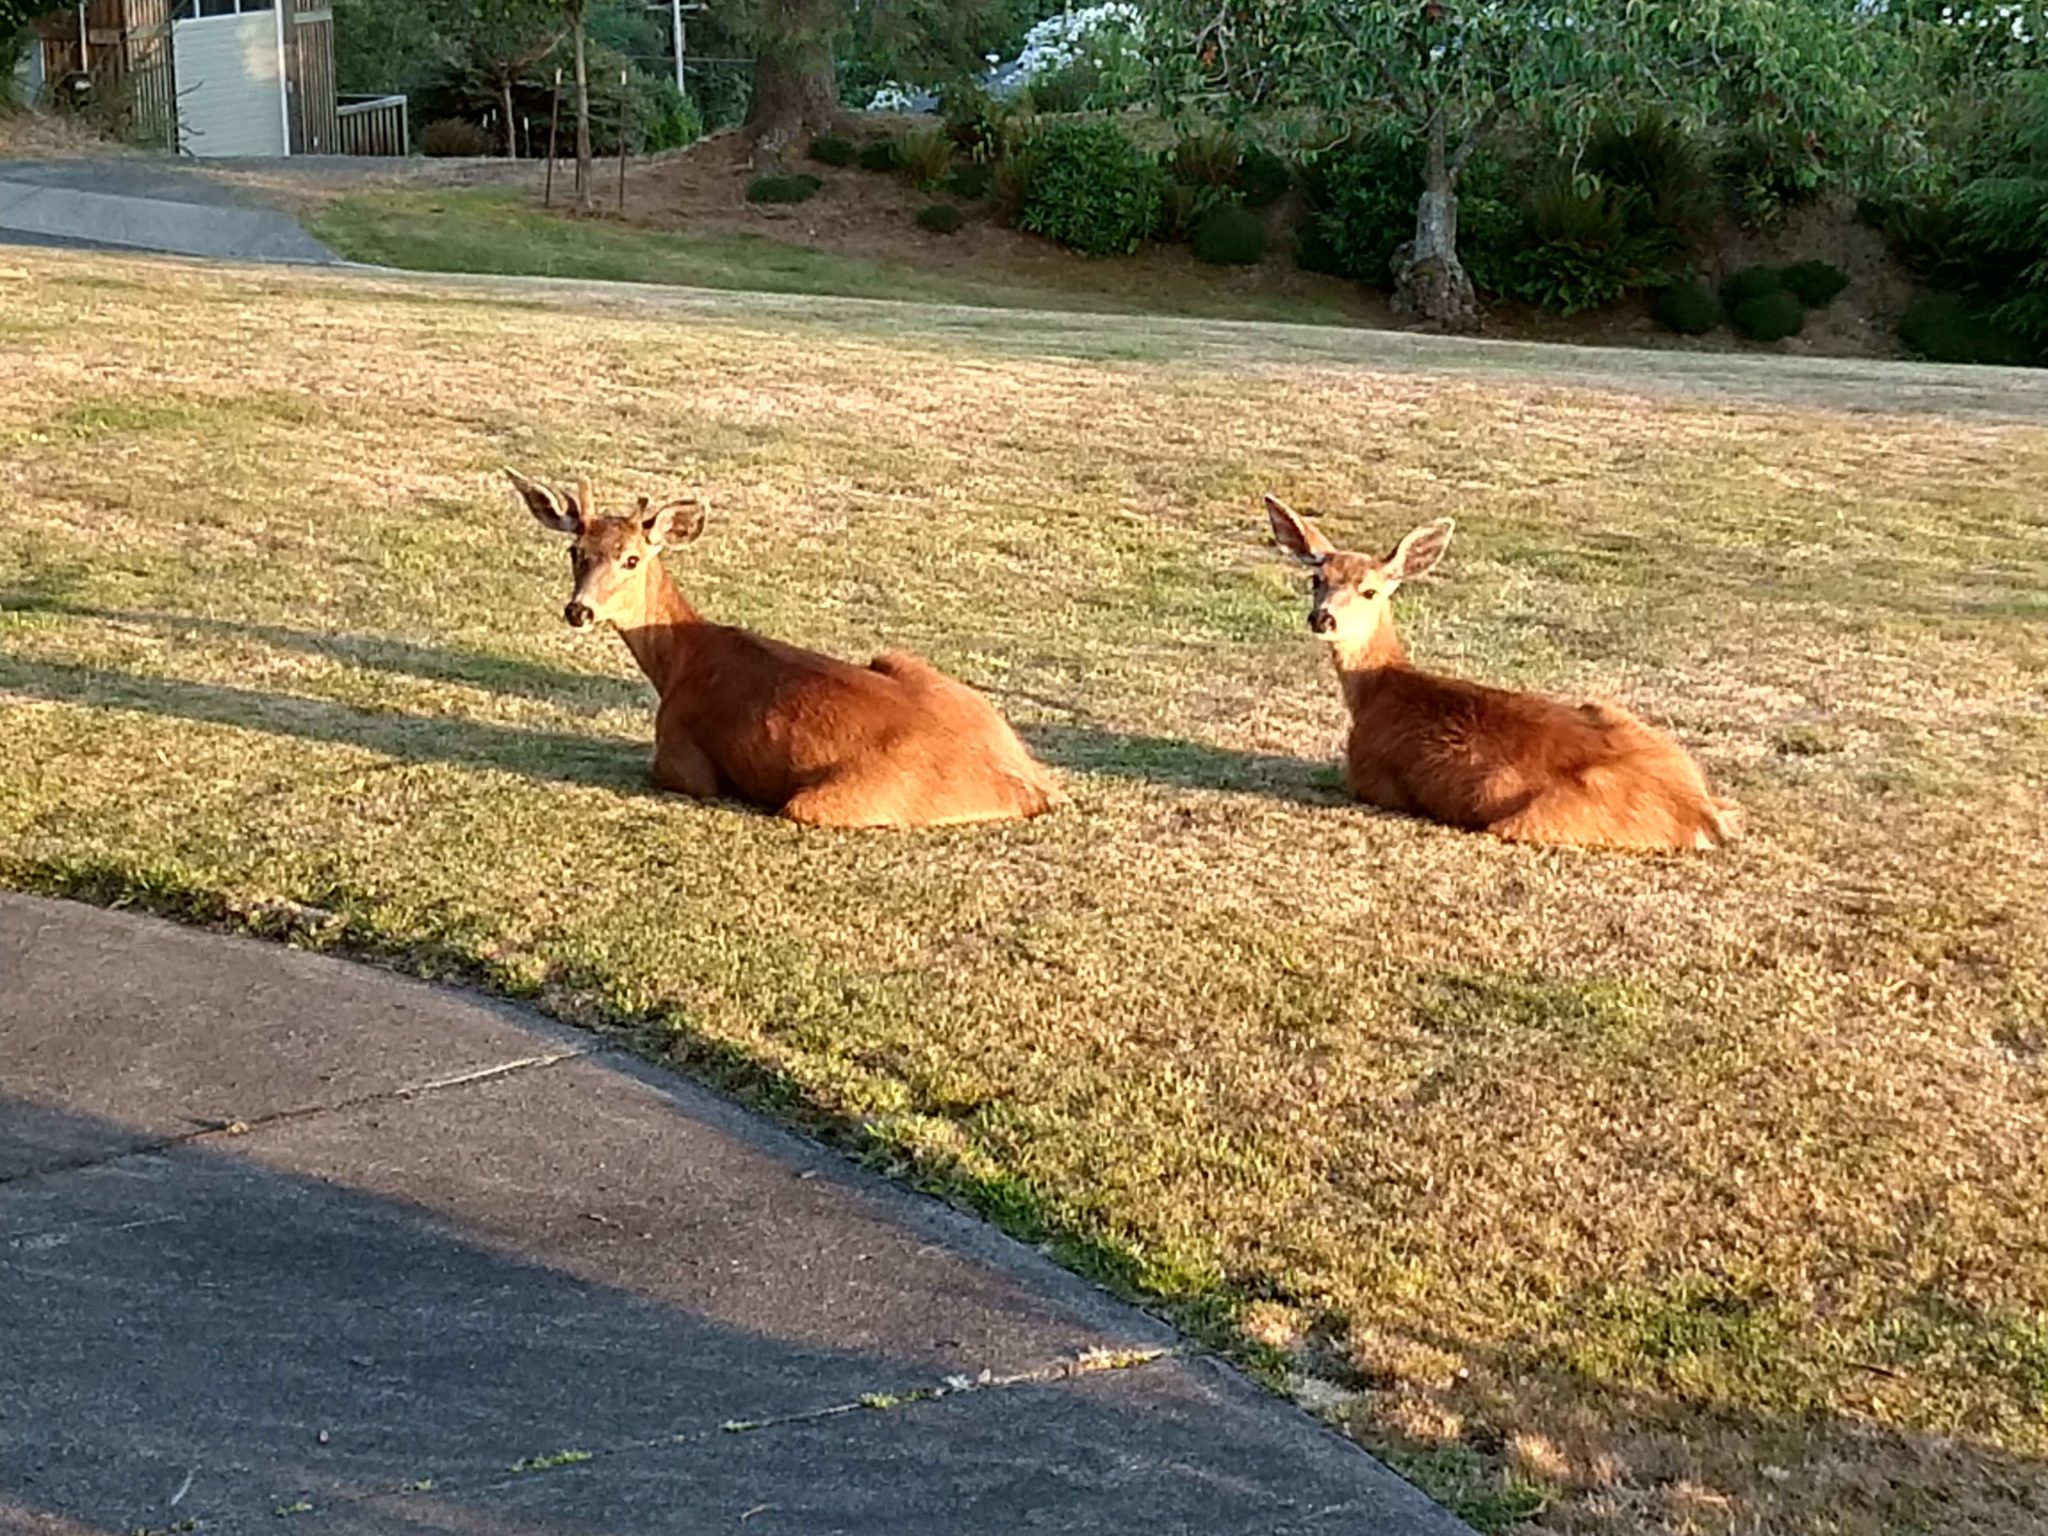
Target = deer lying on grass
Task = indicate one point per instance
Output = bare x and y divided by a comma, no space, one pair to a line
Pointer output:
894,744
1518,765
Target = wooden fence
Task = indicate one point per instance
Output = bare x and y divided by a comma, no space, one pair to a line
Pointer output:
372,125
122,49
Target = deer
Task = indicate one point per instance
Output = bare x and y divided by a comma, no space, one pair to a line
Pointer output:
1522,766
896,743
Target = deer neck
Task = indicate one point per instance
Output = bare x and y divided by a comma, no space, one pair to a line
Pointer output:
1371,654
666,631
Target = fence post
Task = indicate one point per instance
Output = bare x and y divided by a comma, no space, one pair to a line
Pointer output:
547,196
625,132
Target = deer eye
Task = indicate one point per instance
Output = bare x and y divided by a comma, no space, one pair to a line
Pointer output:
631,561
1369,593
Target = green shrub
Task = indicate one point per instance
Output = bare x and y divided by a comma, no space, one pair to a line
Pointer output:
1769,316
1229,236
1750,283
782,189
1580,252
1925,234
1261,176
1068,89
1661,175
2005,210
1687,308
663,117
977,124
1091,188
454,139
834,150
1313,251
970,179
941,219
1813,283
878,155
1205,160
1009,188
1182,207
1772,167
1362,196
1948,328
923,156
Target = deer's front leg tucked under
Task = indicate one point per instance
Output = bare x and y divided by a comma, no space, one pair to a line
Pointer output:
680,765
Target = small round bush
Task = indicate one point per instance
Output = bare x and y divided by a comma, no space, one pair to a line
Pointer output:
782,189
1947,328
1813,283
878,155
1770,316
452,138
1091,188
1262,176
970,180
1229,237
1750,283
1687,308
941,219
834,150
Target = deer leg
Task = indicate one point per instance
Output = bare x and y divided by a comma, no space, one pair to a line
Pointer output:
681,767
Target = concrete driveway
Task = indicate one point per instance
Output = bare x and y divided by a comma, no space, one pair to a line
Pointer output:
120,203
288,1244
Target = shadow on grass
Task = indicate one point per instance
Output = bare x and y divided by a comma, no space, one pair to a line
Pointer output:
1161,760
1177,764
598,762
374,653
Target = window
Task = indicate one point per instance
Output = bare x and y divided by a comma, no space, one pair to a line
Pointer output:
190,10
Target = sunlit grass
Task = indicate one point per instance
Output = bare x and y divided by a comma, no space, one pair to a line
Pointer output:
1697,1195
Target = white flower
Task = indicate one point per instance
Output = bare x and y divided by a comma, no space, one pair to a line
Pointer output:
893,96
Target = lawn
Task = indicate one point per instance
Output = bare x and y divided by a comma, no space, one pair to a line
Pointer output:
466,230
1614,1194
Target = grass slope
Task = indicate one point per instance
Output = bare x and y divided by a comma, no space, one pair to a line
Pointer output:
1614,1194
455,230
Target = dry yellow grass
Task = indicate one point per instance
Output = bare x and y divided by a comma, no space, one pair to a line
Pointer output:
1625,1195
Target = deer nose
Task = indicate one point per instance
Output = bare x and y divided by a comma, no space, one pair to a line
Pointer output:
1321,622
578,615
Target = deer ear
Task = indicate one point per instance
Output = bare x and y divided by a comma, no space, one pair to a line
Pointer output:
674,522
1296,534
1421,550
552,509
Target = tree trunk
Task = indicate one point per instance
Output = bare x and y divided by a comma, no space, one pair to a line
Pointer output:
796,87
586,190
1429,280
511,123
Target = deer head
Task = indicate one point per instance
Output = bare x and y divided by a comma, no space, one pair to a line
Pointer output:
614,560
1349,595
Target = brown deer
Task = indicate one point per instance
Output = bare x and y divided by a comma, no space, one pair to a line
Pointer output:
896,743
1518,765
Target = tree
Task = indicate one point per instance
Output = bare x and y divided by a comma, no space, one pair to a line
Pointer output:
796,83
575,11
1454,69
495,42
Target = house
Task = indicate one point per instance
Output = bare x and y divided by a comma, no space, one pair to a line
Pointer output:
216,77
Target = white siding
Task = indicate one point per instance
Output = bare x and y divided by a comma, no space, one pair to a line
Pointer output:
230,85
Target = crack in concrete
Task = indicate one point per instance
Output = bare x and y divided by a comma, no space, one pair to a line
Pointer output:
238,1127
1087,1363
